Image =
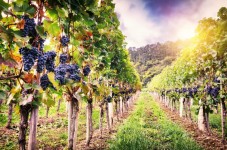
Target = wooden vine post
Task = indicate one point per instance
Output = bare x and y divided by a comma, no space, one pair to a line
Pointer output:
89,122
223,113
73,119
101,115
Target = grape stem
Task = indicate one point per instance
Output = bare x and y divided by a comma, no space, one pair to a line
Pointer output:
12,77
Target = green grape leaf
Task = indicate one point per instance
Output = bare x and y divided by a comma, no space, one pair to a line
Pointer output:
4,5
40,31
52,13
61,12
2,95
54,29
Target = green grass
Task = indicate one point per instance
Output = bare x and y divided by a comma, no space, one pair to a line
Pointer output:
52,132
215,119
149,128
4,115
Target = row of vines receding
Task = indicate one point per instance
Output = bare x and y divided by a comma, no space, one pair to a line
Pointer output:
71,50
199,74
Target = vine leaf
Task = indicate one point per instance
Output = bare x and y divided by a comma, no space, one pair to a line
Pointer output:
28,78
2,94
52,28
52,80
12,93
41,31
3,6
20,25
27,100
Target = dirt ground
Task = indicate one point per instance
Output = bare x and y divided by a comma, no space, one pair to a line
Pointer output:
210,141
98,143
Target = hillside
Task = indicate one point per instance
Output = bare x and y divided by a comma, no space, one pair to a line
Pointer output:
151,59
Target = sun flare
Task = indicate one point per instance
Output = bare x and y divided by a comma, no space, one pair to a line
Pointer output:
186,32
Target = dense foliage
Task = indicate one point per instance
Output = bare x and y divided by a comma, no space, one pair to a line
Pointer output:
202,65
151,59
50,48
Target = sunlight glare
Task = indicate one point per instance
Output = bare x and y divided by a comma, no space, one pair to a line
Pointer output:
186,32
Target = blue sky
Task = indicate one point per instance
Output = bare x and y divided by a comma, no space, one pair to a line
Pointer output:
149,21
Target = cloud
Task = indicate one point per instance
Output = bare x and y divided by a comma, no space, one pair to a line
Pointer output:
149,21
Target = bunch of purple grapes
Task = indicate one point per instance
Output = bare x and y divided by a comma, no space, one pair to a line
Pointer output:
63,58
208,89
41,44
29,27
60,73
108,99
86,70
195,90
50,58
47,59
29,56
63,71
44,81
41,63
214,92
73,72
190,92
184,90
64,40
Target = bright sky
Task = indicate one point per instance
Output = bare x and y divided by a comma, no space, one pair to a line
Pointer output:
149,21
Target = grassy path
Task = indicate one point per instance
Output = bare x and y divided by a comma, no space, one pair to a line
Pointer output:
149,128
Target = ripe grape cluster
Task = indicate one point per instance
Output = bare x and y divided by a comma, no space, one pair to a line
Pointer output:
41,44
208,89
64,40
47,59
28,56
191,92
214,92
63,58
29,27
184,90
108,99
41,63
73,71
44,81
60,73
69,71
50,58
86,70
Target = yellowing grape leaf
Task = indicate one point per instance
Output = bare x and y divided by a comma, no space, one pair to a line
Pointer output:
17,58
28,78
12,93
52,80
20,25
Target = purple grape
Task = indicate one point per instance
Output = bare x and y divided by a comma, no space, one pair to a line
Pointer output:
28,57
29,27
64,40
41,63
50,55
63,58
60,73
86,70
44,81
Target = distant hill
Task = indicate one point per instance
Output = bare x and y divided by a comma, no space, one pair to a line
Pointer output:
151,59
